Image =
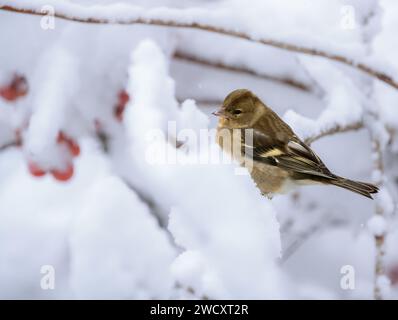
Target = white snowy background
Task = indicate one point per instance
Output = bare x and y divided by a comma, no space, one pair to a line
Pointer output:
123,227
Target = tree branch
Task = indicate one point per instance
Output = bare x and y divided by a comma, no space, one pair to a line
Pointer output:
152,17
333,130
379,269
8,145
202,101
219,65
375,128
326,221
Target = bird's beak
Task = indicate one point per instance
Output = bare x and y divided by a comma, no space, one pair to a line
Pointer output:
220,113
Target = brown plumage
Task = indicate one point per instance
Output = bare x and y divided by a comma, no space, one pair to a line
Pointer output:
276,158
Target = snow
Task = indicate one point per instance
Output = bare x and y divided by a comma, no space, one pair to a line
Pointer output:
384,285
377,225
384,45
235,13
240,210
343,99
122,226
154,210
386,201
50,105
255,57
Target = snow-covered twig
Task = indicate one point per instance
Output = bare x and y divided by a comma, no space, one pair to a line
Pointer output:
8,145
379,217
377,224
177,19
151,205
153,208
302,237
203,102
190,291
333,130
220,65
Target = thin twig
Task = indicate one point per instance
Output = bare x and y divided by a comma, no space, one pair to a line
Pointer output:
191,291
203,102
302,237
220,65
333,130
168,22
8,145
152,206
373,124
379,269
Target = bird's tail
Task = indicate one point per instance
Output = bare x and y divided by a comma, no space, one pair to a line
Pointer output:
363,188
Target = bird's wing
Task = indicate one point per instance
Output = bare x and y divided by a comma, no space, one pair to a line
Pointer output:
290,154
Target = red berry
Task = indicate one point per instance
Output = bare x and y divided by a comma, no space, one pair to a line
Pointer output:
119,110
74,148
123,99
72,145
8,94
35,170
17,88
63,175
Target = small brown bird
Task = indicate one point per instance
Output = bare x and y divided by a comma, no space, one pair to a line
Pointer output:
276,158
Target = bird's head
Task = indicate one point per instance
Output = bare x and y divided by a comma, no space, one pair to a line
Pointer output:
240,109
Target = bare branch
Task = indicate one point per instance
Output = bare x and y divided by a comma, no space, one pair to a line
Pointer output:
167,22
219,65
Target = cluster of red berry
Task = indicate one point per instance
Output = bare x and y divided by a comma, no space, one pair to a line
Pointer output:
66,173
18,87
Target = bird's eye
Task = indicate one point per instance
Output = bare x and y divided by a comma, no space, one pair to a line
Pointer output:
237,111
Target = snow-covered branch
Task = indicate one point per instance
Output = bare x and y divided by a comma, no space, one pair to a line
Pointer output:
378,225
200,19
8,145
221,65
334,130
384,206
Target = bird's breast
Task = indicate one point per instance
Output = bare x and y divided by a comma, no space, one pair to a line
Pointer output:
230,142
